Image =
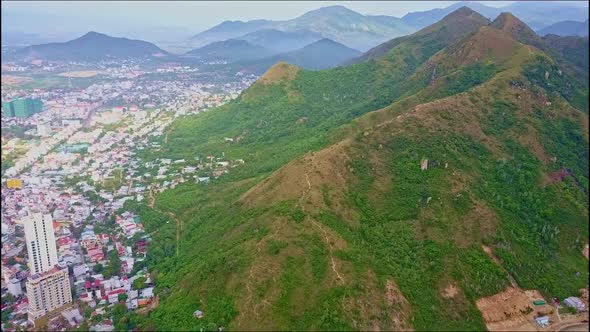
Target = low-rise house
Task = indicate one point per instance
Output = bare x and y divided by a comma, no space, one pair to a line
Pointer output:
576,303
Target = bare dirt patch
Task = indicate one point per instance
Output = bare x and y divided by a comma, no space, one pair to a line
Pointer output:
585,251
450,291
529,140
513,310
400,317
302,180
509,304
479,223
80,73
14,80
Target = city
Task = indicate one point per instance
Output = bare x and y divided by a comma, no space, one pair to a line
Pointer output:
70,168
295,166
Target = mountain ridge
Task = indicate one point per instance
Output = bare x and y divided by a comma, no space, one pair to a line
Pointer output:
395,193
321,54
90,47
334,22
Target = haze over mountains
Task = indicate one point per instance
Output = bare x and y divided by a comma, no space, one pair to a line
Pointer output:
335,22
282,41
267,38
92,46
399,192
566,28
322,54
365,31
537,16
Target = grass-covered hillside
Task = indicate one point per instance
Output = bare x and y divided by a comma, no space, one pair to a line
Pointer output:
332,224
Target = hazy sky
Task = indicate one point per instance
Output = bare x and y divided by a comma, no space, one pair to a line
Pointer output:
182,17
202,15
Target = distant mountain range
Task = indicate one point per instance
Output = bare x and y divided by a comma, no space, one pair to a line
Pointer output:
566,28
92,46
282,41
335,22
236,41
231,50
364,32
322,54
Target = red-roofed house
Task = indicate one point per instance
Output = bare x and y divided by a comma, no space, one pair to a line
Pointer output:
96,254
104,238
142,302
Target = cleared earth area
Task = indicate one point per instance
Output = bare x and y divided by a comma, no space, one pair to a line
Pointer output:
80,73
13,80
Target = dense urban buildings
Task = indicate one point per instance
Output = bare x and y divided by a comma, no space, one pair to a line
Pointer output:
48,285
48,292
40,241
22,107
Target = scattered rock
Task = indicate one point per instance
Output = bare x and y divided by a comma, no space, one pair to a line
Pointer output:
424,164
450,291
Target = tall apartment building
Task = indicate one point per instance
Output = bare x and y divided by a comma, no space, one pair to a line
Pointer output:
22,108
48,285
40,239
48,292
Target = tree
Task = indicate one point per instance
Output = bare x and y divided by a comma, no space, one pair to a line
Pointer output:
122,297
98,268
11,261
114,266
139,283
8,298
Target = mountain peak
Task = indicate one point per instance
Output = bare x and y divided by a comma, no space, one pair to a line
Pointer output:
508,22
331,10
279,72
517,29
463,11
93,34
457,23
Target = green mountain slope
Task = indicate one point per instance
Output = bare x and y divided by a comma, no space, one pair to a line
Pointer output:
435,36
331,224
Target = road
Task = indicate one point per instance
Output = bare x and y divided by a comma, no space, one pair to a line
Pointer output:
577,327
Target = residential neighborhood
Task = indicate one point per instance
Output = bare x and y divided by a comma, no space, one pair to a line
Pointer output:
73,167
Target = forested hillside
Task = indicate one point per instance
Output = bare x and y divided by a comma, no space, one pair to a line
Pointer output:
370,193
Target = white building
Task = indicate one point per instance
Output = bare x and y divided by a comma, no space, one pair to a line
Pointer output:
44,129
576,303
40,240
48,292
14,287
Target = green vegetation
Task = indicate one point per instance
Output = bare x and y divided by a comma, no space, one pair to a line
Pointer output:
139,283
549,76
98,268
114,267
329,255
